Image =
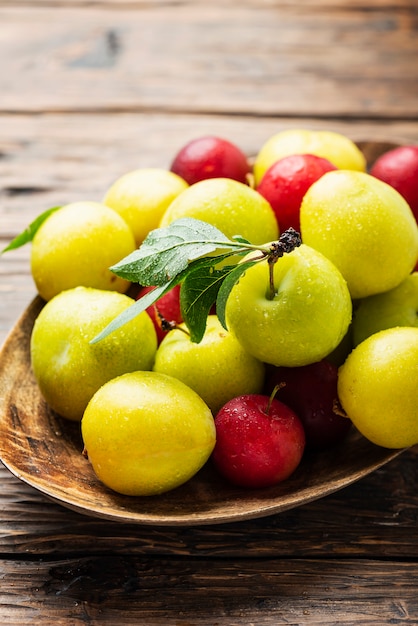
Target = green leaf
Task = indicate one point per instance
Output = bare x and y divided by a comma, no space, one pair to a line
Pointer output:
197,295
227,284
199,265
166,252
189,251
241,239
135,309
28,234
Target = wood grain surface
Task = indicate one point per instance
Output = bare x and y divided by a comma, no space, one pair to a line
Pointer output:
92,89
175,591
218,58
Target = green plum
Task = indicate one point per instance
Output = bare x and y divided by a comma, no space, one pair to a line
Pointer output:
218,368
67,367
142,196
377,387
303,321
364,226
76,245
335,147
230,206
396,307
146,433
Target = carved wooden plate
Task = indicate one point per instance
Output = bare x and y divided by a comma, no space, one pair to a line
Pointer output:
45,451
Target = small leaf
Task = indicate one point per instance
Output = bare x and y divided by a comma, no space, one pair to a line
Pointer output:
28,234
241,239
197,295
134,310
153,296
168,251
188,251
225,289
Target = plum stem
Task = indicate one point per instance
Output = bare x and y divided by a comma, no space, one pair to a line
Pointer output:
288,241
166,325
273,395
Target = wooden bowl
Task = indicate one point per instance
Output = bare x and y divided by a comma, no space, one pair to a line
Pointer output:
45,451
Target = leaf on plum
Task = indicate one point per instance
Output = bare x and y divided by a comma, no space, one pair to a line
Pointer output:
198,293
168,251
193,253
230,279
30,231
135,309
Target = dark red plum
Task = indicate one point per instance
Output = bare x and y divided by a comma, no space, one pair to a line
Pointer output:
285,183
311,391
259,442
210,157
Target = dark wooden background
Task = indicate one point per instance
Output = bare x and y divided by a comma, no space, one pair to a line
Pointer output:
90,90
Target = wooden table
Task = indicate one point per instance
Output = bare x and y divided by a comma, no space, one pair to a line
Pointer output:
90,90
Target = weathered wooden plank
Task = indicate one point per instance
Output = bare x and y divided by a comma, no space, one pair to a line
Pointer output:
16,287
374,518
123,4
269,60
122,590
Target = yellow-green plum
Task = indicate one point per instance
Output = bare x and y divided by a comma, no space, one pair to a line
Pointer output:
76,245
335,147
68,368
142,196
230,206
364,226
378,387
305,318
218,368
146,433
396,307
